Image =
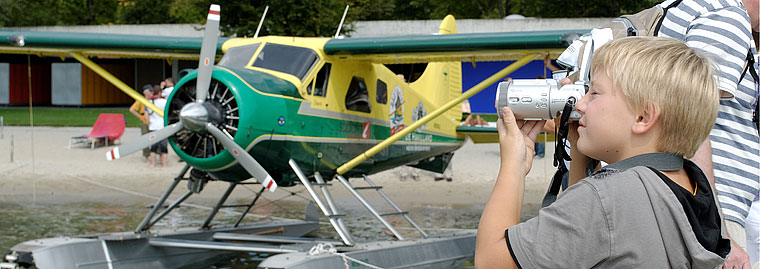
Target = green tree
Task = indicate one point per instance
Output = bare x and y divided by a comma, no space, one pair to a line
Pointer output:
57,12
294,17
581,8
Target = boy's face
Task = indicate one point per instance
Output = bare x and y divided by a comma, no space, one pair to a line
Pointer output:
604,130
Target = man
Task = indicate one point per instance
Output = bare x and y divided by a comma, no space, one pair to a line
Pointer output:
138,109
155,123
167,86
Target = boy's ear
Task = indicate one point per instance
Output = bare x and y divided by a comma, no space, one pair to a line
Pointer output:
646,119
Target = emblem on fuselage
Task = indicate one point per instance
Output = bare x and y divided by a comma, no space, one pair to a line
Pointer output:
418,113
397,110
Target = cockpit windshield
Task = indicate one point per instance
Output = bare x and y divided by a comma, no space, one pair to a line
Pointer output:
296,61
238,57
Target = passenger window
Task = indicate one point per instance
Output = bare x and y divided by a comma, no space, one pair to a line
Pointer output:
382,92
308,87
357,97
320,84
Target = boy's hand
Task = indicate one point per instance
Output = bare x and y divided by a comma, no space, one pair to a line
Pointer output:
516,141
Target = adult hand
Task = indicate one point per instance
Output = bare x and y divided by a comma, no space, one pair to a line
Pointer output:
516,141
738,258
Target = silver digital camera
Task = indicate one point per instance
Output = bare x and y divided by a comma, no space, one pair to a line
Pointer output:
539,99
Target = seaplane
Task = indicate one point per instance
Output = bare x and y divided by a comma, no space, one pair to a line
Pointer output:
290,112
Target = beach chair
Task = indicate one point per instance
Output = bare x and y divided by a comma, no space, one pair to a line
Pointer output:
108,127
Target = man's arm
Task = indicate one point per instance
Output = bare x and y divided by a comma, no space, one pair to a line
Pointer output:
548,64
729,48
505,204
134,112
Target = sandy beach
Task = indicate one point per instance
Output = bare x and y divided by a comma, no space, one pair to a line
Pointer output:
37,167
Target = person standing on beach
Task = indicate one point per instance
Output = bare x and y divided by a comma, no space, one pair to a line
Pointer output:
167,86
155,123
138,109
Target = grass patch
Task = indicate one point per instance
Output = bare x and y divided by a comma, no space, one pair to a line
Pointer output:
62,117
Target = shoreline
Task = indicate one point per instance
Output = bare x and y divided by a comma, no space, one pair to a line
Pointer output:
57,175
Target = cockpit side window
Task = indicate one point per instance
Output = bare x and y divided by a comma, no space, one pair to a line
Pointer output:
382,92
296,61
357,97
238,57
320,83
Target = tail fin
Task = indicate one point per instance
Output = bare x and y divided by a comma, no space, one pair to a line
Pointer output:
442,81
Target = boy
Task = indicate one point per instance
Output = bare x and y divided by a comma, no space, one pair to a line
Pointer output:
651,103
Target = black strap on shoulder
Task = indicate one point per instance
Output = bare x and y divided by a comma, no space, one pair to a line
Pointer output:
664,12
750,61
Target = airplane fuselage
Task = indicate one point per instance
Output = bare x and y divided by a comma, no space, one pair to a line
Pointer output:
283,98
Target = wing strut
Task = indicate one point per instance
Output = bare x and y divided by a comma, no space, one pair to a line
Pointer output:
472,91
116,82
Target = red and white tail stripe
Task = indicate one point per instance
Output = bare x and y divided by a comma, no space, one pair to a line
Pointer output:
112,154
269,184
213,12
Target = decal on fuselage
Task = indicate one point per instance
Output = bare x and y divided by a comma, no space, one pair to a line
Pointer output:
418,113
397,110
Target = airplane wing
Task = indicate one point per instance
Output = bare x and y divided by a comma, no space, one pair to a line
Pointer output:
470,47
102,45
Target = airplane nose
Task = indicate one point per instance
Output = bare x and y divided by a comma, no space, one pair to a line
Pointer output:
220,109
195,115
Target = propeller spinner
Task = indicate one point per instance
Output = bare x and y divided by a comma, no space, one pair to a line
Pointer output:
199,117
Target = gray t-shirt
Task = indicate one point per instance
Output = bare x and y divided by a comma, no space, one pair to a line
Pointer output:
613,219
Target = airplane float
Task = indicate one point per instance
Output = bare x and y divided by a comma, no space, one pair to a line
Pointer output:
290,111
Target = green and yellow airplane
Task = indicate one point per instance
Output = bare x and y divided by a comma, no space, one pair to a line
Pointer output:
329,104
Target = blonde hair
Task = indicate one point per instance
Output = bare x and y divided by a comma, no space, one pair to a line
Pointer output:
667,74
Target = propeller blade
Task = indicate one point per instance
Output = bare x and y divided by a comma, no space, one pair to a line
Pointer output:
208,54
249,163
143,142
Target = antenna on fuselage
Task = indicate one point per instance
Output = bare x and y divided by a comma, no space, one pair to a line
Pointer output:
261,22
341,22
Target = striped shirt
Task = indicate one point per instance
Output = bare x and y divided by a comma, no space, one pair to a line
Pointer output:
722,28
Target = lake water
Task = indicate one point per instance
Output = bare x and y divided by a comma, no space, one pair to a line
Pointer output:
22,222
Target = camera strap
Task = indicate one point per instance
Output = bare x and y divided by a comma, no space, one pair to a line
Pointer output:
560,155
561,134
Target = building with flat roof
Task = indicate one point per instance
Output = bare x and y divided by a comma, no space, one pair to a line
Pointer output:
63,81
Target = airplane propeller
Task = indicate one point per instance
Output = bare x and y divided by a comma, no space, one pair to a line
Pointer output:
208,54
143,142
198,116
